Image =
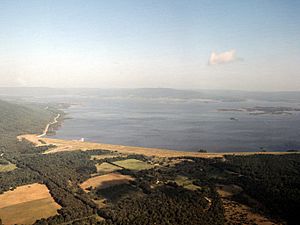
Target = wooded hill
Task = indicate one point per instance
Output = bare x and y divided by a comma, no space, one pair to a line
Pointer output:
18,119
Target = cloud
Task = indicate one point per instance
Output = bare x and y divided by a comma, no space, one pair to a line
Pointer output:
21,82
223,57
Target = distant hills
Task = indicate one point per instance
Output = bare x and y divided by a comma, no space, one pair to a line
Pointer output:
222,95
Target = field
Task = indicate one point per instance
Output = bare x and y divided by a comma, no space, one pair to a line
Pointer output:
105,181
8,167
186,183
26,204
106,168
133,164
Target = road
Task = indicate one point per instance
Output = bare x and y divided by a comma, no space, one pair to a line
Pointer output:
48,125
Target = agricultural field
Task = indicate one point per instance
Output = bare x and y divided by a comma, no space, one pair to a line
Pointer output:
133,164
186,183
106,167
7,167
26,204
105,181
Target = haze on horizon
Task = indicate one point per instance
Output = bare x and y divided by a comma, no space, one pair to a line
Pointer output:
240,45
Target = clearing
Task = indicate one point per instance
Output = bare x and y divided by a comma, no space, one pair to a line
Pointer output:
106,167
26,204
133,164
7,167
105,181
186,183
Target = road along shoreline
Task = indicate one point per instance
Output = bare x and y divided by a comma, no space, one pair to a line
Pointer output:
55,120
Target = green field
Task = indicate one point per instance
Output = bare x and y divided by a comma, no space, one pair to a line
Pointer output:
186,183
134,164
8,167
106,168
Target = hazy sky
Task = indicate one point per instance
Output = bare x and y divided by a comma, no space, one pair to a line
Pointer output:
246,45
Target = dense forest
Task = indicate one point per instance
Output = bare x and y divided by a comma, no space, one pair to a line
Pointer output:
272,179
269,183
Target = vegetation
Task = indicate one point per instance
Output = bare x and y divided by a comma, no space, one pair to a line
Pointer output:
106,167
273,180
133,164
202,151
7,167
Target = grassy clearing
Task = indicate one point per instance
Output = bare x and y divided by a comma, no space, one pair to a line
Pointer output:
134,164
186,183
8,167
26,204
105,181
106,168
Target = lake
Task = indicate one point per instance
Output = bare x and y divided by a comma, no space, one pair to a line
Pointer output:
181,124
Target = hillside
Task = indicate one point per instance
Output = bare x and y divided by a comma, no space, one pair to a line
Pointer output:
18,119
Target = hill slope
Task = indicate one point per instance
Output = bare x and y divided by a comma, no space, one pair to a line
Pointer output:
16,119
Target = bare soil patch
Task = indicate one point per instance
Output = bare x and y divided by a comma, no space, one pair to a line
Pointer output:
105,181
26,204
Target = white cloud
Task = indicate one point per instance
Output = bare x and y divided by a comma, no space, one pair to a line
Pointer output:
223,57
21,82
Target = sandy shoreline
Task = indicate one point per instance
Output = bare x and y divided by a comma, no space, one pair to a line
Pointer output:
73,145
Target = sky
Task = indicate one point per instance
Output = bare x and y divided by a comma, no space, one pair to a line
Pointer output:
188,44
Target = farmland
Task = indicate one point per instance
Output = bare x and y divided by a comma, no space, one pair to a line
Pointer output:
105,181
186,183
26,204
106,168
133,164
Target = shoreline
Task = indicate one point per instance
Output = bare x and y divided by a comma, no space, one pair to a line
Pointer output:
74,145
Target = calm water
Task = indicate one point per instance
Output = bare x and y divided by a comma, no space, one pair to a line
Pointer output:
187,125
